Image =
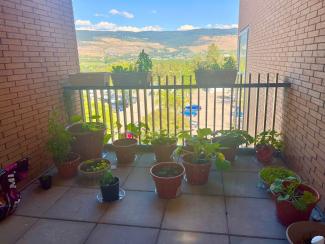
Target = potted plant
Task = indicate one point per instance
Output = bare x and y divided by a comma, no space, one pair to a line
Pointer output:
98,79
45,181
198,163
266,143
163,144
216,69
89,137
304,232
230,140
137,76
59,145
168,179
269,174
125,148
109,187
94,168
294,201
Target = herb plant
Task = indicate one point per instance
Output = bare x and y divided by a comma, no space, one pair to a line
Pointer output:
270,174
159,138
92,165
233,138
107,179
270,138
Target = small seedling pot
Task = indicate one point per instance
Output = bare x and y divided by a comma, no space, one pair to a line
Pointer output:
264,153
170,186
163,152
288,214
125,150
196,173
45,181
110,193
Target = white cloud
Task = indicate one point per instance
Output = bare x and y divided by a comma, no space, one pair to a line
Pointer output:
108,26
124,14
186,27
222,26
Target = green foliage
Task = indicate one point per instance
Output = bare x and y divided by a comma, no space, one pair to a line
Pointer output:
233,138
122,69
93,165
270,174
107,179
87,126
59,142
288,191
159,138
144,63
229,63
136,129
270,137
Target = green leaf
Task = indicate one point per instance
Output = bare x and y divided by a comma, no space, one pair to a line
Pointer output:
75,118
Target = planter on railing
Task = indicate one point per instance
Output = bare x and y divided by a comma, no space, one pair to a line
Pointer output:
208,78
131,79
99,79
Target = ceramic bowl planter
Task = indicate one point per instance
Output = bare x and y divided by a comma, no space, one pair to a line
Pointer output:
69,168
208,78
45,181
131,79
87,143
94,169
287,213
110,192
264,153
196,173
125,150
168,179
303,231
163,152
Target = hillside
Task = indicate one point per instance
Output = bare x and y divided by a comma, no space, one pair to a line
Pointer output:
159,44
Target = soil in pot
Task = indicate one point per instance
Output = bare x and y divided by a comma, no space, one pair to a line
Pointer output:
196,173
110,192
45,181
168,179
69,168
264,153
125,150
287,213
163,152
87,143
302,232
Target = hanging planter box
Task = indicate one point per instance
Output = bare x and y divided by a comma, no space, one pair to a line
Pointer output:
98,79
212,78
131,79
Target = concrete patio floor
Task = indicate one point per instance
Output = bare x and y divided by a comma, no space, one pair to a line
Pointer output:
229,209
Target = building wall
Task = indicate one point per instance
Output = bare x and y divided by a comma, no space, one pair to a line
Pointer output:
288,37
37,50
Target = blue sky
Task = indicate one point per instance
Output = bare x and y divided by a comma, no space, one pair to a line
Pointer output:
140,15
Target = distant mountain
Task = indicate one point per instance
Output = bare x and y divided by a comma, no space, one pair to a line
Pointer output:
159,44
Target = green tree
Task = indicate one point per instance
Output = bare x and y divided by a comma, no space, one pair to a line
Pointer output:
230,63
214,56
144,63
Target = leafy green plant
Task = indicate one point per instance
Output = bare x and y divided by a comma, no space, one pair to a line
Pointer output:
270,174
133,130
233,138
229,63
93,165
144,63
87,126
270,138
123,69
204,150
159,138
288,190
59,142
107,179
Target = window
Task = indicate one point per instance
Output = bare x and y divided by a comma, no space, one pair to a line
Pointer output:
242,52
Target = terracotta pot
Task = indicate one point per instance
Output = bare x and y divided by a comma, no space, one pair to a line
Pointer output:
167,187
196,173
264,153
125,150
70,168
288,214
88,144
302,232
163,152
229,153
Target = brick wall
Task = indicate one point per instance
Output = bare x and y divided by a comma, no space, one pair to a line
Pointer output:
37,49
288,37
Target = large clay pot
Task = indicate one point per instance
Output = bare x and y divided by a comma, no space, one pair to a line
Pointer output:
69,168
89,144
229,153
167,187
302,232
125,150
163,152
196,173
264,153
288,214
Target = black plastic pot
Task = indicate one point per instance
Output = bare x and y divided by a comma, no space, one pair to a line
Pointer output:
110,193
45,181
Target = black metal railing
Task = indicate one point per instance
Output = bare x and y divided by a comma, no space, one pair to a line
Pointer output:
178,105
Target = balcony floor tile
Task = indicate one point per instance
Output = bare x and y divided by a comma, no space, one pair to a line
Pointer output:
139,179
